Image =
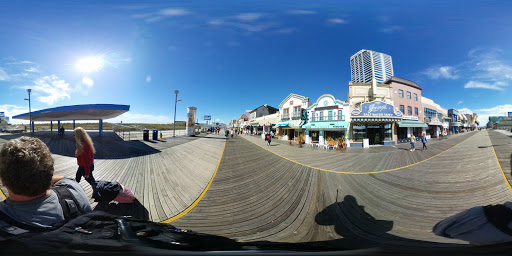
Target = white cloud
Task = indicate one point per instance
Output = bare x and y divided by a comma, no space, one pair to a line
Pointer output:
465,111
148,79
32,69
162,14
460,102
174,12
301,12
475,84
336,21
286,31
54,88
141,118
13,110
391,29
248,17
3,75
436,72
500,110
87,81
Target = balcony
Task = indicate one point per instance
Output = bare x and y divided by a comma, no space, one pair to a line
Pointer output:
296,116
285,116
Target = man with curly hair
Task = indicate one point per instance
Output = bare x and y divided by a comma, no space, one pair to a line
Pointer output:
26,170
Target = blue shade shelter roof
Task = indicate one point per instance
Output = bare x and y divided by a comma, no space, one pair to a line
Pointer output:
77,112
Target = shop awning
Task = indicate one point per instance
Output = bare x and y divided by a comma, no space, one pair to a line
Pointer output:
445,125
411,123
436,123
292,124
326,125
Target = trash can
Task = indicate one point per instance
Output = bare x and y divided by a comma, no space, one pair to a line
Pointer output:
145,134
155,134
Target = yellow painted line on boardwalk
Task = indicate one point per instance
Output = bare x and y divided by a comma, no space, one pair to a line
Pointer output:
345,172
501,169
2,194
200,196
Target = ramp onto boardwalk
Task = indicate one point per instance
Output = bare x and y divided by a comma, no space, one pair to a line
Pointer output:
259,195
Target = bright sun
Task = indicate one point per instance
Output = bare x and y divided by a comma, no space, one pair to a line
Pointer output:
89,64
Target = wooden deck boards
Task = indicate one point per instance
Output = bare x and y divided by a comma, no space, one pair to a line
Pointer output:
248,197
258,195
166,177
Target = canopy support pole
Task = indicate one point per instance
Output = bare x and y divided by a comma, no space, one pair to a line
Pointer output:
101,126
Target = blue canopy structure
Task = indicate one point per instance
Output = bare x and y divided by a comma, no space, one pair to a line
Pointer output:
76,112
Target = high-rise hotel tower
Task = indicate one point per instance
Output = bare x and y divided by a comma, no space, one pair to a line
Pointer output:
366,65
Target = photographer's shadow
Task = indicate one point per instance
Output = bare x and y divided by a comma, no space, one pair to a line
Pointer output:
357,227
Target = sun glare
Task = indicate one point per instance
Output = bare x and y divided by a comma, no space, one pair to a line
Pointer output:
89,64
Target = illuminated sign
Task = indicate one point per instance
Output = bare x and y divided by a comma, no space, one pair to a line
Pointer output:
207,117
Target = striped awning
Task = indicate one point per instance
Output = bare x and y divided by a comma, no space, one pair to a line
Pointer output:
411,123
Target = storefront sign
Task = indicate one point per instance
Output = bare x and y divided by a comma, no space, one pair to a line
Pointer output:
410,117
376,109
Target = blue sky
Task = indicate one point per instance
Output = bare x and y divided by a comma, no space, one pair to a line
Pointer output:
226,57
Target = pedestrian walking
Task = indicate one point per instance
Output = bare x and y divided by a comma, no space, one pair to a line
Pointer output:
84,156
232,132
268,138
227,133
424,141
413,140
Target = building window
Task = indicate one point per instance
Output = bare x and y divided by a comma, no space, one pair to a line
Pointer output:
329,115
415,97
340,115
409,110
416,111
400,93
321,116
408,95
402,109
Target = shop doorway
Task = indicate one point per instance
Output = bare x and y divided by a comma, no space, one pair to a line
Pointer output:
374,134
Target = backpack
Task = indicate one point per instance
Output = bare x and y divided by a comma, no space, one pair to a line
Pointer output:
499,216
102,232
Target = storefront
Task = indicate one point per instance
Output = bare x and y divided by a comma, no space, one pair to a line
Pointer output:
435,127
290,129
327,120
374,121
321,132
406,128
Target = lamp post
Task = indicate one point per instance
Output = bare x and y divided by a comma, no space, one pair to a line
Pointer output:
175,102
29,111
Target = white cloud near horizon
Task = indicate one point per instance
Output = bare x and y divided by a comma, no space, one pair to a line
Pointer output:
485,113
142,118
460,102
13,110
148,79
52,87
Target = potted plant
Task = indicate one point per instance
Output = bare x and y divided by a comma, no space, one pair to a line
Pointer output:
300,140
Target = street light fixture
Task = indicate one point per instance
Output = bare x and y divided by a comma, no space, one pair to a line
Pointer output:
30,111
175,102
